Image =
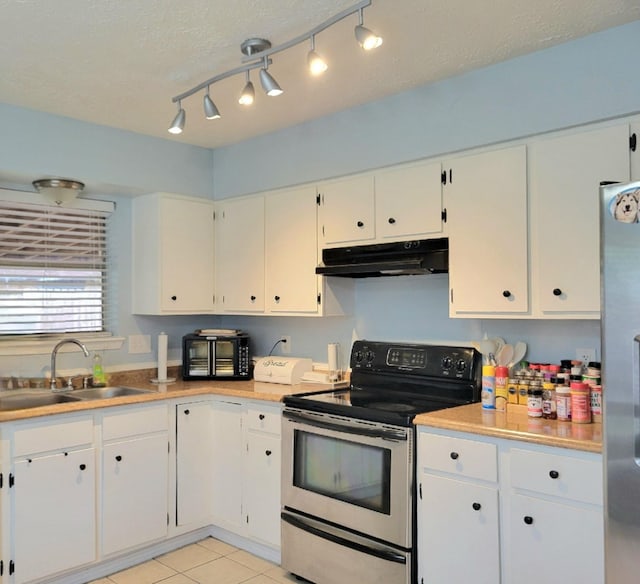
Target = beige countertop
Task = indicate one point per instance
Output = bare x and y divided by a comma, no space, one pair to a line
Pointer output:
515,425
271,392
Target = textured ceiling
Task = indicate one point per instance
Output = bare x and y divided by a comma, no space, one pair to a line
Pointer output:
119,62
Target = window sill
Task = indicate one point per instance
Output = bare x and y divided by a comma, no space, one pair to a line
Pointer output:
45,346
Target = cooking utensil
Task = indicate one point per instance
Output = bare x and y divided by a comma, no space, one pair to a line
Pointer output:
519,351
505,355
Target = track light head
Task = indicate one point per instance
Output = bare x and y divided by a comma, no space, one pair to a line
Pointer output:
317,65
269,84
366,38
177,125
248,93
210,110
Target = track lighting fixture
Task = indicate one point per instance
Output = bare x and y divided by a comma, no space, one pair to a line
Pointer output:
317,65
367,39
257,53
210,110
177,125
248,93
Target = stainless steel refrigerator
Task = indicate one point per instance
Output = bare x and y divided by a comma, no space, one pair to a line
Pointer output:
620,270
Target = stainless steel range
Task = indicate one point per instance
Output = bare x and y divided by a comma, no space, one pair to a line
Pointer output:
348,504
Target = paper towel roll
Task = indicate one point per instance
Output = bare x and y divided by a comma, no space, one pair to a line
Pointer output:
162,356
332,358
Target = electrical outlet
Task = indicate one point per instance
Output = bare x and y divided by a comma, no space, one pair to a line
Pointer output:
586,355
285,345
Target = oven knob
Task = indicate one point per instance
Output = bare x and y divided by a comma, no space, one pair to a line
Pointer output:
461,365
447,362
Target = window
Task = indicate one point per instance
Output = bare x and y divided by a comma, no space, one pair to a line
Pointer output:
52,268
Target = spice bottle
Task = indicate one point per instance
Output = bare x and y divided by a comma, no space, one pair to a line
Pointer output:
523,389
512,390
596,403
549,400
502,380
488,395
563,403
534,402
580,403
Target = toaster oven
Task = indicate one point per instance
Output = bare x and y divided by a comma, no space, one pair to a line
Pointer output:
213,355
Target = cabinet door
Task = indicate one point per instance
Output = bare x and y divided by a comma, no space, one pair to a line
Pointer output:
486,201
227,459
458,532
54,513
135,495
291,251
262,488
565,176
554,543
186,240
240,255
409,202
347,212
194,442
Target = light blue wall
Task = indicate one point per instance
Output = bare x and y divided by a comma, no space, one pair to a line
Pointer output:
590,79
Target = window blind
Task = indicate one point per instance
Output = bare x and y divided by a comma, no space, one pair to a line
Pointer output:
53,269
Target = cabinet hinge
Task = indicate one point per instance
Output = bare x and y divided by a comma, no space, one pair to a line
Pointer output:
1,567
319,299
11,480
318,199
450,175
168,446
167,519
633,142
420,489
214,215
1,480
443,177
451,295
247,519
12,567
444,215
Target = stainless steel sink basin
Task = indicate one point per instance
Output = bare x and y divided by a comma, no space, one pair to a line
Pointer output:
34,400
107,392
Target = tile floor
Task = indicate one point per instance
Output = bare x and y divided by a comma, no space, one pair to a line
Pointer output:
209,561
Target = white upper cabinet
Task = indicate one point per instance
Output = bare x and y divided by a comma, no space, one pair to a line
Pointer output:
409,202
172,263
347,211
486,201
240,255
291,250
565,174
634,147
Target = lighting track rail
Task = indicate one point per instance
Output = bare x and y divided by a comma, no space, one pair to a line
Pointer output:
257,52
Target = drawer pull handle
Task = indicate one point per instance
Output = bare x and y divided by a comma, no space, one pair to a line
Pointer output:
528,519
476,506
174,298
267,452
276,298
554,474
186,412
557,292
253,298
454,456
261,416
83,466
118,458
391,220
360,224
506,293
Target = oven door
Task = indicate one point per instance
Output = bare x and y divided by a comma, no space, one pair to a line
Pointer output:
352,473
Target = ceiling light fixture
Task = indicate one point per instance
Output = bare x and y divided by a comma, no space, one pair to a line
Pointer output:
177,125
368,40
58,190
317,65
257,52
248,93
210,110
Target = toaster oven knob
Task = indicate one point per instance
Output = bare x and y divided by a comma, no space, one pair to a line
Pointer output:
461,365
446,363
370,356
359,356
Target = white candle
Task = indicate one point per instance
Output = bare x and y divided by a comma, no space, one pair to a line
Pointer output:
162,356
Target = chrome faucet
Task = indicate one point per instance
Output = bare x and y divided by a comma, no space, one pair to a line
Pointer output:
54,354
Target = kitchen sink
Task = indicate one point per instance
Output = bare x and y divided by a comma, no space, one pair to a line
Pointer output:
34,400
107,392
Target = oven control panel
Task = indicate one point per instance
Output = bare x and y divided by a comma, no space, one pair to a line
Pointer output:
415,359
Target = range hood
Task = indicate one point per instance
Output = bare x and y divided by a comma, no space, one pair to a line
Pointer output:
424,256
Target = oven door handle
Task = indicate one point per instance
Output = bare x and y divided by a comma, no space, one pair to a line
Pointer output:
386,434
385,554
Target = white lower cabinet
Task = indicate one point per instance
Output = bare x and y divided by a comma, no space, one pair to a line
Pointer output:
194,474
539,518
53,498
135,467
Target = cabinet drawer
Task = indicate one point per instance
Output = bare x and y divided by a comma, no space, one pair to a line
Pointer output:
53,436
135,422
459,456
264,419
554,474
